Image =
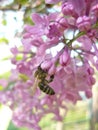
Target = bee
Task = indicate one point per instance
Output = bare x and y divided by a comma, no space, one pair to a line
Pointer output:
43,83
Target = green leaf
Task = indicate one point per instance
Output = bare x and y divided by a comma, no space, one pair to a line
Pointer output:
6,58
4,40
4,22
22,2
0,105
5,75
13,127
1,87
10,86
28,20
23,77
19,57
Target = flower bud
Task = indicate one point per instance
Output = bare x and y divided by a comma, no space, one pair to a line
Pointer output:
95,9
88,93
53,31
46,65
14,50
64,58
83,23
52,70
62,23
68,9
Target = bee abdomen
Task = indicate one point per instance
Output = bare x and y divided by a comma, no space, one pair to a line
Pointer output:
46,88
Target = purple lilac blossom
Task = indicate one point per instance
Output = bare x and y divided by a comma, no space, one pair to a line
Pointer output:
73,72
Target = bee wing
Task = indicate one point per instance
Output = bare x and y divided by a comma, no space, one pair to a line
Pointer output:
34,87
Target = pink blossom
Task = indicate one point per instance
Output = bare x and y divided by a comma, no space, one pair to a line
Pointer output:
88,93
3,82
85,43
46,65
83,23
62,23
79,6
24,68
95,10
14,50
52,1
67,73
65,57
68,9
41,24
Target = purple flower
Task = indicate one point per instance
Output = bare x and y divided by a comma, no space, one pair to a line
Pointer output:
67,72
41,24
83,23
52,1
65,57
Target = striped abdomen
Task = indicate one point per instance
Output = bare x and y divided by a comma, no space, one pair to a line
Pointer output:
46,88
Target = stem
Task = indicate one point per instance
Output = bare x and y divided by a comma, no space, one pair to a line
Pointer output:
79,34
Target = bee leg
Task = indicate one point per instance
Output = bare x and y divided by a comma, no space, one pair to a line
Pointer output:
51,79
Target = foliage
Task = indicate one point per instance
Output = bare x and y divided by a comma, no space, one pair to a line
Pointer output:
4,40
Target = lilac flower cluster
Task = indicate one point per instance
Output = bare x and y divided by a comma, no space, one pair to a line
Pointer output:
71,65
